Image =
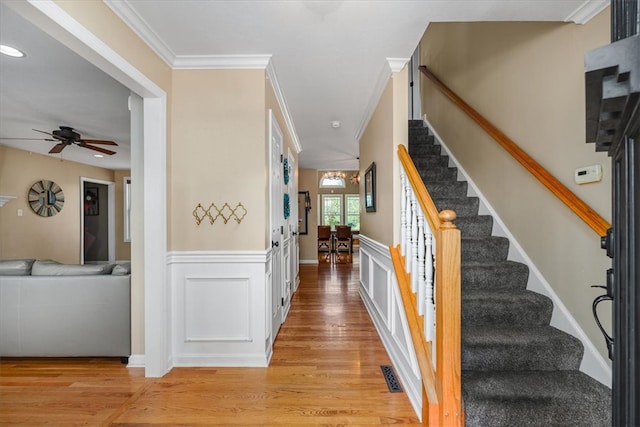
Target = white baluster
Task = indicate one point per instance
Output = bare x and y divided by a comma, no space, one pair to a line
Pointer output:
421,260
407,256
403,212
414,242
430,316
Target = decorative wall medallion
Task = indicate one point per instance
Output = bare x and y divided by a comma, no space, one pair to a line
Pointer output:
46,198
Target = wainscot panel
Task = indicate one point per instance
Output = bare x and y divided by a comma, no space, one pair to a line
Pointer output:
219,306
380,294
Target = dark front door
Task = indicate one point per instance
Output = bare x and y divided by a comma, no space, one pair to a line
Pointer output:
613,124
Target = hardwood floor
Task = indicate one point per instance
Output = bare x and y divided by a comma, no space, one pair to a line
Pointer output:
325,371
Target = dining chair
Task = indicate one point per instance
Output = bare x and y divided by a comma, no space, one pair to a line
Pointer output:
343,244
325,244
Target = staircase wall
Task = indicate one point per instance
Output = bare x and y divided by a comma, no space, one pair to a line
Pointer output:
528,79
381,295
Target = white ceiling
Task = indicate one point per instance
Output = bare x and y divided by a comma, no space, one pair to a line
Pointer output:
330,59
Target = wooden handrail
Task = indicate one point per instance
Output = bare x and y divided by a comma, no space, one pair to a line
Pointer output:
579,207
425,200
441,384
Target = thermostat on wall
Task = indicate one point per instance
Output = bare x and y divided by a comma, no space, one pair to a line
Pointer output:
587,174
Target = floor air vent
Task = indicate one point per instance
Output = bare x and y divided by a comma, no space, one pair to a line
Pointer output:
390,378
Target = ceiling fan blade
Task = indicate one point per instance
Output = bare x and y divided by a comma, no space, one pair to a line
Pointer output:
50,134
101,150
98,141
32,139
57,148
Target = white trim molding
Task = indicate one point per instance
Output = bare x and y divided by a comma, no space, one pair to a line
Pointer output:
219,308
381,296
391,65
586,11
220,62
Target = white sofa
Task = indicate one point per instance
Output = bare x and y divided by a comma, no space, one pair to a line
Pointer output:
64,311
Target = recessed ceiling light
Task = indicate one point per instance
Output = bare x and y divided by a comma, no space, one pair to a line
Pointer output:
335,124
11,51
98,155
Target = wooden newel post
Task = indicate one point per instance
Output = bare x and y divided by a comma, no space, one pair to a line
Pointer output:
448,324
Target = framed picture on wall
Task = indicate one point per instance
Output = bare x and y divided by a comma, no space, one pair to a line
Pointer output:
304,205
91,207
370,188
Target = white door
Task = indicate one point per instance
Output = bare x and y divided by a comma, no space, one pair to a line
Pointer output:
294,225
277,224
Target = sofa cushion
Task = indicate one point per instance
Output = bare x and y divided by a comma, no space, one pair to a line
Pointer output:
53,268
122,269
16,267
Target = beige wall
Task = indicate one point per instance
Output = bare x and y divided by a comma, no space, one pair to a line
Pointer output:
308,181
528,79
218,155
33,236
385,131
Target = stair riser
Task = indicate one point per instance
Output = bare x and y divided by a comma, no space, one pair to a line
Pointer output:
485,250
497,277
475,226
549,356
467,206
418,150
439,174
444,189
522,308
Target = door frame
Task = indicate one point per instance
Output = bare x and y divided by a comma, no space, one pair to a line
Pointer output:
111,216
55,21
276,220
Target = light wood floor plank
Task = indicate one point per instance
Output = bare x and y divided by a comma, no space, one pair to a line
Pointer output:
325,371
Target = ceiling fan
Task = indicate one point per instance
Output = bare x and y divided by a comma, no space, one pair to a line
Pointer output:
67,136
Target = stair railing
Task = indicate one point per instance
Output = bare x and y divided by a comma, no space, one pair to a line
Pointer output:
427,266
573,202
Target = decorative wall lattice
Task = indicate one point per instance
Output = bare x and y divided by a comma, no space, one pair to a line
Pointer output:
226,213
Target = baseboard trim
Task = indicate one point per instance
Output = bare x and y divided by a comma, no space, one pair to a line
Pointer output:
309,261
137,361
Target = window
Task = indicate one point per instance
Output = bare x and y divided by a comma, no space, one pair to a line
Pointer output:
331,210
341,209
333,180
352,202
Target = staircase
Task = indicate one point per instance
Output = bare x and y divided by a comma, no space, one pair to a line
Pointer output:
517,370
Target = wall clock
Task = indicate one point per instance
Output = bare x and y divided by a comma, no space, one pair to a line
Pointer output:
46,198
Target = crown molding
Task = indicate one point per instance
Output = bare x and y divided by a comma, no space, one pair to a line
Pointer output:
397,64
271,75
129,16
586,11
392,65
221,62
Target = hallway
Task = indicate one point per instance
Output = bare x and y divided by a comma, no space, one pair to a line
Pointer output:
325,370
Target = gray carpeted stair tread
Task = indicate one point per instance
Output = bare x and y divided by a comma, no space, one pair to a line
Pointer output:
517,369
501,275
535,398
514,348
439,174
463,206
507,307
475,226
491,248
447,189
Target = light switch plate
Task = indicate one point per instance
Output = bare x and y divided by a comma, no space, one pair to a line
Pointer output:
588,174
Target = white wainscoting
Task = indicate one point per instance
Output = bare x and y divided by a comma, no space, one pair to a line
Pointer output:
381,295
219,308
